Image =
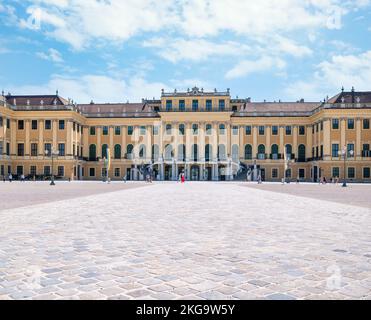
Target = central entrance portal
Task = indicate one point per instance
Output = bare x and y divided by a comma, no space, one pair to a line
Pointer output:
195,173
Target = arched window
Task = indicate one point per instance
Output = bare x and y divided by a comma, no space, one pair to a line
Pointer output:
222,129
168,129
261,152
288,149
274,152
104,151
195,152
92,152
169,152
208,152
155,152
301,153
129,150
208,129
248,152
235,153
117,151
142,151
221,152
181,152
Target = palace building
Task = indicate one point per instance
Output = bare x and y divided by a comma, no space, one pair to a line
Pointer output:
206,135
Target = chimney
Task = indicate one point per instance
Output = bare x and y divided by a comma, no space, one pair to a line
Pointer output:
353,95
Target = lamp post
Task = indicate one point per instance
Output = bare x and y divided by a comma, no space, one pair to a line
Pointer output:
343,153
52,153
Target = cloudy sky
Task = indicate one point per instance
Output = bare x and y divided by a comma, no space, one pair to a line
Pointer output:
119,50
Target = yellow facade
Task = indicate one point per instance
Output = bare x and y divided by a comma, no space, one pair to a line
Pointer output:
215,138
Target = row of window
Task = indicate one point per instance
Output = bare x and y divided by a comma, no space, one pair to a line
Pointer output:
195,130
33,170
48,125
61,125
47,149
350,124
116,172
169,152
195,105
351,172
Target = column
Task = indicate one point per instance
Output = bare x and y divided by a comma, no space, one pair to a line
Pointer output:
358,146
40,148
111,146
228,144
173,171
241,144
202,142
268,148
136,142
319,141
27,139
255,142
327,139
99,143
13,137
85,141
123,140
282,142
188,141
295,141
215,139
149,142
55,133
69,146
308,149
342,132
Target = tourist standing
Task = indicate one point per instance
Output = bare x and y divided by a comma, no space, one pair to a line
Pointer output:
259,179
22,178
10,177
183,178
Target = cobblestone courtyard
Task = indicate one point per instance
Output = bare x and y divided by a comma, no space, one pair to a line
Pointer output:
173,241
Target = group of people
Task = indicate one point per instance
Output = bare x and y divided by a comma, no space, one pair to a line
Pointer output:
10,178
323,180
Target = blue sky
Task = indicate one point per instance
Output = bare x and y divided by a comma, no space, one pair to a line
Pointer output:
118,51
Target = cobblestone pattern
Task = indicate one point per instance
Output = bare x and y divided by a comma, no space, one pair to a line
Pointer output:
192,241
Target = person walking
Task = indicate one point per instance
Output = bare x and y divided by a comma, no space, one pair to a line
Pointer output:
183,178
22,178
259,179
10,177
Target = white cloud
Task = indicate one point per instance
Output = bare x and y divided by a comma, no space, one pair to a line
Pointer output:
247,67
95,87
175,50
330,76
81,23
290,47
51,55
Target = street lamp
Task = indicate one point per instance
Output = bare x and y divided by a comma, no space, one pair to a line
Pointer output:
52,153
343,153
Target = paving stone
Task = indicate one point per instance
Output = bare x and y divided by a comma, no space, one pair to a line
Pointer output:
280,296
207,248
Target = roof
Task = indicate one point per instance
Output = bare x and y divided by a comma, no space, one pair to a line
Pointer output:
281,106
351,97
36,100
115,109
